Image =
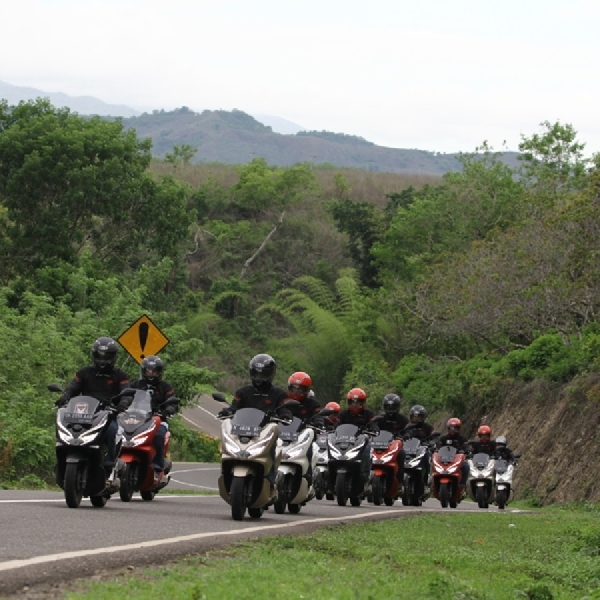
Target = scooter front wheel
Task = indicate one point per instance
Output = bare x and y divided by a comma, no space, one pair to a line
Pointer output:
444,494
481,497
501,499
341,489
74,483
128,481
377,490
236,497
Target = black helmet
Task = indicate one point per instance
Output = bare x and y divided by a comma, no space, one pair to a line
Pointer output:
262,370
152,369
417,414
391,404
104,353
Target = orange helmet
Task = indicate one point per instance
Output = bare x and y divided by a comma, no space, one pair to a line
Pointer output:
357,398
484,433
299,385
454,426
333,418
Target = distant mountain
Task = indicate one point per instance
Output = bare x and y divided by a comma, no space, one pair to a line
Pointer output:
84,105
236,138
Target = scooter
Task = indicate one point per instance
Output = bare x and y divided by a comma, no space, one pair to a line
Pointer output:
80,449
416,489
446,473
294,489
346,445
481,482
504,478
139,426
385,450
248,451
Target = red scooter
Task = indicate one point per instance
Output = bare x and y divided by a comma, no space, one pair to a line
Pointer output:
139,426
385,450
446,471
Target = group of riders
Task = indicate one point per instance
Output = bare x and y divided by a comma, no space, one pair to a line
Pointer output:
104,381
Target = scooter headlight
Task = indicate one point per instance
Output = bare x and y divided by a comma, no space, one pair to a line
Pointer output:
230,446
257,449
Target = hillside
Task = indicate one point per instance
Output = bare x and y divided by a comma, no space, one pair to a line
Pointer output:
236,138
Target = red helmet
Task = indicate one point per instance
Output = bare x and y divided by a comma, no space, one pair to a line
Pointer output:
357,398
484,433
333,418
454,426
299,385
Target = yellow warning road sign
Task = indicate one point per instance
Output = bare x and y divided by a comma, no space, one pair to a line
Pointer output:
143,339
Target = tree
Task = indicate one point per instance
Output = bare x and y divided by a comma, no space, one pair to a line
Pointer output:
68,182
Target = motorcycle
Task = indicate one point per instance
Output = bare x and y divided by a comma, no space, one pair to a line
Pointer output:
446,465
385,449
248,451
481,483
416,489
139,425
294,442
346,445
504,477
80,449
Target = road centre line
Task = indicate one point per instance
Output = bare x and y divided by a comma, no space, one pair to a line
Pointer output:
38,560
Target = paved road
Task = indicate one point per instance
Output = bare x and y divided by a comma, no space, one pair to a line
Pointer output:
202,416
42,540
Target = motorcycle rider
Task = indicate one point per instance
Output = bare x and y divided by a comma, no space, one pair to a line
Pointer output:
101,380
357,414
164,402
484,443
299,388
454,438
503,451
419,428
391,420
261,394
332,420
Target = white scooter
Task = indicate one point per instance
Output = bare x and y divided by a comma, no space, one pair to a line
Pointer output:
320,478
481,484
294,490
248,451
504,479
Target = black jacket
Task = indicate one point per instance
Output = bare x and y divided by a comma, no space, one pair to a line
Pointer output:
162,394
476,446
359,419
394,425
423,431
267,400
458,441
307,409
91,382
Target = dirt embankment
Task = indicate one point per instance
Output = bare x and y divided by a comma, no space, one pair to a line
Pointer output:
556,430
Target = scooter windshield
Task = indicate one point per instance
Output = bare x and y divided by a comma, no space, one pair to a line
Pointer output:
501,465
411,446
138,412
81,409
382,440
346,433
446,454
290,433
247,422
481,460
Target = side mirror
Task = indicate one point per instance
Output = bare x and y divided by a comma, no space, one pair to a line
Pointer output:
219,397
517,455
127,392
325,412
290,404
54,387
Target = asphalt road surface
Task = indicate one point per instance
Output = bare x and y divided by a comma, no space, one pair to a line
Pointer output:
202,416
42,540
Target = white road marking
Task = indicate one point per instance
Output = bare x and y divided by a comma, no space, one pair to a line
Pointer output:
38,560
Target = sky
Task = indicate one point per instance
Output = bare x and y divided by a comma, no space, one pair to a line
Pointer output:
437,75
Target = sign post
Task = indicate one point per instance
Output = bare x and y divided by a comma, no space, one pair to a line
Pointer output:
143,339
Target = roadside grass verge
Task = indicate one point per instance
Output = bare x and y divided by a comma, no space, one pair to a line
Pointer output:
540,555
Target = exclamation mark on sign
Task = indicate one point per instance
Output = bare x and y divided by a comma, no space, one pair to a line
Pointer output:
143,333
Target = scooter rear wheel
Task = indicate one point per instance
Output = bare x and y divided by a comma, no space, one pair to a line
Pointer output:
74,474
256,513
294,508
99,501
148,495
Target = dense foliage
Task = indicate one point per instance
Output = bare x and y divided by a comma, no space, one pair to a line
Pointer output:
438,289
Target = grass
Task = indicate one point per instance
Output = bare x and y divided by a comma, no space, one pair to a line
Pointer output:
541,555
